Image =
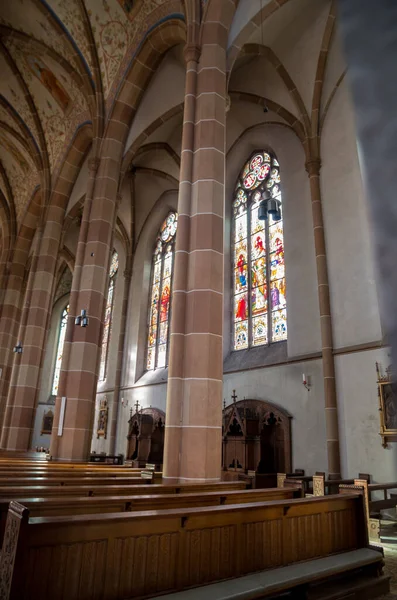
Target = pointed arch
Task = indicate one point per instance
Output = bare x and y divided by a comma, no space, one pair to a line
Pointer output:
59,354
160,294
107,325
259,287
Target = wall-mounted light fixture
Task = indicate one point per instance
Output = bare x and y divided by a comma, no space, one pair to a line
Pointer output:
18,348
306,382
82,319
268,206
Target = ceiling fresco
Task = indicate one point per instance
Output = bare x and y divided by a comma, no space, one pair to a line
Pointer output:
57,57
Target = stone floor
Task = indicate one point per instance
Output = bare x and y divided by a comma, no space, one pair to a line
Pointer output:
391,569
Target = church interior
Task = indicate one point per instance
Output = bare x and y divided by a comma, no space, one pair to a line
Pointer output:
191,336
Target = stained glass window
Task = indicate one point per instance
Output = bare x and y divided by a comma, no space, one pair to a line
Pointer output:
160,294
114,266
61,341
259,291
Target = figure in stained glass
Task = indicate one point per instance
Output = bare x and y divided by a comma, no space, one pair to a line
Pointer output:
59,355
260,315
107,325
160,303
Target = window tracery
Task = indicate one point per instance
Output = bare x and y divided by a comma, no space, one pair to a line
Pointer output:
160,294
260,307
59,354
107,326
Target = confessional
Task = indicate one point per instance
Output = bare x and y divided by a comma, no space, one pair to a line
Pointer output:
256,438
146,437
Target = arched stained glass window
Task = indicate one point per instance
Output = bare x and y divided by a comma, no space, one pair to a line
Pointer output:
260,314
160,294
114,267
61,341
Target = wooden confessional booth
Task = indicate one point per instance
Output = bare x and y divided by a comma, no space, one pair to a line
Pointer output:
146,437
256,438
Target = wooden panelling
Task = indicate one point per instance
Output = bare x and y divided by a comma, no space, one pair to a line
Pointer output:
143,553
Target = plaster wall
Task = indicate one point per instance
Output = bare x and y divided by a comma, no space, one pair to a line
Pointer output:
282,385
161,95
354,302
80,186
361,446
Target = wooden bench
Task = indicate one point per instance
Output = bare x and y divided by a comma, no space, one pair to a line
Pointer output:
46,507
71,481
141,554
322,486
44,491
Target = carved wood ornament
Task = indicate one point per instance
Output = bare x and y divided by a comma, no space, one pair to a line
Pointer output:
387,406
257,437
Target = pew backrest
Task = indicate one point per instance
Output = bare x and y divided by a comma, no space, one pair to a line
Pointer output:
140,554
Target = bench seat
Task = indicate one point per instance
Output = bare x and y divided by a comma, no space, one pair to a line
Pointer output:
275,581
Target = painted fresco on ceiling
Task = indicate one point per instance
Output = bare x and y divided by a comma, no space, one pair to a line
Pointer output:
20,171
128,6
60,103
31,18
70,14
50,82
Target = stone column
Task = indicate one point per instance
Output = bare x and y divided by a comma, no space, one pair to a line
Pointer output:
93,165
117,413
193,441
120,357
80,365
21,399
12,301
331,407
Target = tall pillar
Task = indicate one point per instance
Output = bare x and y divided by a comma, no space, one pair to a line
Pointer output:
120,357
193,438
22,392
80,364
13,299
93,165
331,407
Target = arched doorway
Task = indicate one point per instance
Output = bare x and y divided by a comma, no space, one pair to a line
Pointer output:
146,437
257,437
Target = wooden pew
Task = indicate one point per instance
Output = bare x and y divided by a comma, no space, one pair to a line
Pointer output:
65,481
373,507
141,554
47,507
45,491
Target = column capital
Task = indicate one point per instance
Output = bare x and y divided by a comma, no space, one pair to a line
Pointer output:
313,166
93,164
191,52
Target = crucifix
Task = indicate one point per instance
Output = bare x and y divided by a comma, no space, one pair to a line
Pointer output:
234,396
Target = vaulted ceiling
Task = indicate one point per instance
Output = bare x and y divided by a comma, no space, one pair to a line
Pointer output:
61,62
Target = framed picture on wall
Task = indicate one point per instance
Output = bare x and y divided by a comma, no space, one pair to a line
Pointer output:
102,419
46,424
387,407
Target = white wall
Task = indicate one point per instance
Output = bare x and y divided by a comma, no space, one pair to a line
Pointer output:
165,90
354,302
361,447
283,386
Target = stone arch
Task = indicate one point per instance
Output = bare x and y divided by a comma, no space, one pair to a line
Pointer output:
143,65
